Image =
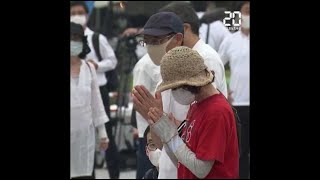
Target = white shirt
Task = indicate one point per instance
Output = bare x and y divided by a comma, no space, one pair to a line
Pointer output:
217,33
236,50
86,113
109,60
213,62
145,73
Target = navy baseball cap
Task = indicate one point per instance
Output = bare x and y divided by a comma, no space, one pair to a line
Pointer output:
163,23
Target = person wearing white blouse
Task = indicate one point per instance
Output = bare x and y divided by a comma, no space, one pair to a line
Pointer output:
86,108
104,63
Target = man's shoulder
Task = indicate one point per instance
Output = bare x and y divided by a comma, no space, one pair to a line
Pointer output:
205,49
208,53
145,57
218,24
89,32
143,61
146,64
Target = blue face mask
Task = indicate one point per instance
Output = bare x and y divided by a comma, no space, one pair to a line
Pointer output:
75,48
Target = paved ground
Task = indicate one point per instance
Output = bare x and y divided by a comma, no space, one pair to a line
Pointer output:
125,174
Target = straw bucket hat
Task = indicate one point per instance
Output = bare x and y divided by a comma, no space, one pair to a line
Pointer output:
183,66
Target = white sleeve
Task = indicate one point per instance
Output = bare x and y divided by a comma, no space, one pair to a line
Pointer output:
221,33
223,51
109,60
188,158
99,115
156,76
153,71
102,131
167,132
171,155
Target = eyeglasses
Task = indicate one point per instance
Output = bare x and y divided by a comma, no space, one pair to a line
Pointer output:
151,146
154,41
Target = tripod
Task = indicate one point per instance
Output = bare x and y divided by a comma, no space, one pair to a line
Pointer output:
127,58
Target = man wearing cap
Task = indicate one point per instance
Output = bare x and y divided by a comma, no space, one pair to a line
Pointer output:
162,32
167,35
208,146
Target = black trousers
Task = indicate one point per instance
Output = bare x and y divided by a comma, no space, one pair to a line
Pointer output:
244,163
112,154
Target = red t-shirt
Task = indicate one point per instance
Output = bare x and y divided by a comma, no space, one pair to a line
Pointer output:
211,134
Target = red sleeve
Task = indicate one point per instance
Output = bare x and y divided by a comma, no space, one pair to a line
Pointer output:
212,138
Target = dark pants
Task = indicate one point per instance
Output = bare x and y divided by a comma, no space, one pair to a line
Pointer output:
112,154
143,161
244,164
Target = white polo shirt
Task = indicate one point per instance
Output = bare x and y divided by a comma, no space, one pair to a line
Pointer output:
109,60
213,61
236,50
217,33
145,73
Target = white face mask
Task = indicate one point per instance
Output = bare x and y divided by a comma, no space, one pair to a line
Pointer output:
183,96
156,52
154,157
79,19
245,22
75,48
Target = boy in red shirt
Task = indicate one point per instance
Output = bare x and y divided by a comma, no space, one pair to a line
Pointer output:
208,147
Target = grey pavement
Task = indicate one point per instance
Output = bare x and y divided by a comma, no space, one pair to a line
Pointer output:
124,174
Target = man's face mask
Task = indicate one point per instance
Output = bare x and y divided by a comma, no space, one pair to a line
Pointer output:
154,157
156,52
245,22
79,19
183,96
75,48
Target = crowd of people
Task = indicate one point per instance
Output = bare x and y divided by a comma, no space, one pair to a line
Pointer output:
188,119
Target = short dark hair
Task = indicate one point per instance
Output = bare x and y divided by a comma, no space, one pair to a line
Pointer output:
80,3
145,134
78,29
185,12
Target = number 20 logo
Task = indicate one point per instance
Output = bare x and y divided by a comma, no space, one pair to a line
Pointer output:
232,16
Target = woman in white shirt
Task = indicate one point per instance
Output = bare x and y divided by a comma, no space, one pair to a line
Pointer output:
87,111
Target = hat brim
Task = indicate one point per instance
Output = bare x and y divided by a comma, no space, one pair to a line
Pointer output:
200,80
156,32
